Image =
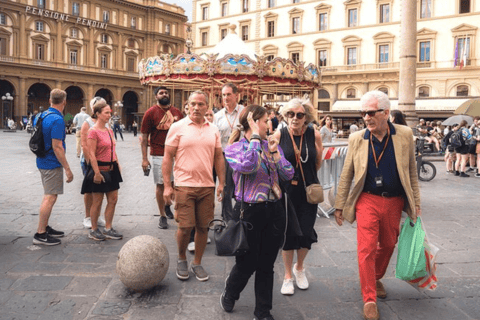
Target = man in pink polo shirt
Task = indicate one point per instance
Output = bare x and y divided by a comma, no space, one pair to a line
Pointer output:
195,145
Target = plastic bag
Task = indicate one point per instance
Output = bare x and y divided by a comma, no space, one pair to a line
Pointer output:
429,281
411,260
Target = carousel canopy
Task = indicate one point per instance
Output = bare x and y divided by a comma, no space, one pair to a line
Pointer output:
230,61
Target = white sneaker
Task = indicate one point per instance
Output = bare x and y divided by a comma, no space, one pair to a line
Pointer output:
209,240
300,278
287,287
191,247
101,222
87,223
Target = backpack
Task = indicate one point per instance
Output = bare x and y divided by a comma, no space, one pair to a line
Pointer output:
36,143
456,139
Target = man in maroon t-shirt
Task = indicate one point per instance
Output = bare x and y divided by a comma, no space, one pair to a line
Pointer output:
155,124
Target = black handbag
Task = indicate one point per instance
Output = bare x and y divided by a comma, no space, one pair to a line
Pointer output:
231,237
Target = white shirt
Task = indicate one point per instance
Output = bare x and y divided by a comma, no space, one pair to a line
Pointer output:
79,119
353,128
226,122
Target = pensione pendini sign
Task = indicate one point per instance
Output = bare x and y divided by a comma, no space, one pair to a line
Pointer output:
65,17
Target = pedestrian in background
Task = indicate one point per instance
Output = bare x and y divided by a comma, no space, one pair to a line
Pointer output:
397,117
104,175
195,145
326,131
462,151
116,120
85,164
258,166
51,166
298,135
78,121
155,125
381,163
134,127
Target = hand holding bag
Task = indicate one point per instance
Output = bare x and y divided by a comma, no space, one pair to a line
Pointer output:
231,237
314,191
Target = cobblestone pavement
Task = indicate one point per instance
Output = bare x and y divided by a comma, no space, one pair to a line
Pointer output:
77,280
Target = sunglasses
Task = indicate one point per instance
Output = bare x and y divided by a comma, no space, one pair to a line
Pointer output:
291,115
370,113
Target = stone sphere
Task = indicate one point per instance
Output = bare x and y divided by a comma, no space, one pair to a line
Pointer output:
142,263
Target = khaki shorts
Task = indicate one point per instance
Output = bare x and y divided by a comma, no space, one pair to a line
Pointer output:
52,180
157,163
194,206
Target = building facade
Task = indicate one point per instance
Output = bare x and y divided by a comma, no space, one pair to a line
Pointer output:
86,48
356,43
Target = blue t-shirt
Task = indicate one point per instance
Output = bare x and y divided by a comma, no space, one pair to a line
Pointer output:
53,128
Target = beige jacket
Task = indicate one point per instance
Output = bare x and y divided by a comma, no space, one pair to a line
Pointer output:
355,169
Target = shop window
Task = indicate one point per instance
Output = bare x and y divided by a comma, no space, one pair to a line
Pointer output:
351,93
424,92
462,91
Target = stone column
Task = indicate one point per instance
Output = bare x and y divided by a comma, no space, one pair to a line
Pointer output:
22,99
91,48
408,60
89,97
23,42
59,54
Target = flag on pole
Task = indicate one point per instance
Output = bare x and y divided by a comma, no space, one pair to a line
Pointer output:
456,55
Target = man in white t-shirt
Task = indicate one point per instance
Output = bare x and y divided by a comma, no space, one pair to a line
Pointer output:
226,120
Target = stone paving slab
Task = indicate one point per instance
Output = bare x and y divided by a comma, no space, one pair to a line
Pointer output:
84,285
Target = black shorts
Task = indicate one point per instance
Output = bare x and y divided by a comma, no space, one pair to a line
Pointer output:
472,149
462,149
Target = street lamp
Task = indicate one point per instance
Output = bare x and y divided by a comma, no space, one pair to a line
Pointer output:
7,107
118,104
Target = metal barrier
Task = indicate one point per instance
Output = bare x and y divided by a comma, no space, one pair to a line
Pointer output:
329,174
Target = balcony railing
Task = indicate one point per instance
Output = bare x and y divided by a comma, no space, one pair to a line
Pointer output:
396,66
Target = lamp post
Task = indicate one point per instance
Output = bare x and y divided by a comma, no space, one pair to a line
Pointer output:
188,41
118,107
7,108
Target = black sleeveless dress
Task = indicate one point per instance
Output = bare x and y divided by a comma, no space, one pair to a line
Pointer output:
305,212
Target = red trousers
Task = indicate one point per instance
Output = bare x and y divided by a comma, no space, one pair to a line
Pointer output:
378,227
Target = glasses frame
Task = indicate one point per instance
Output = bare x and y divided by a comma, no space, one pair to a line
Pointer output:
370,113
298,115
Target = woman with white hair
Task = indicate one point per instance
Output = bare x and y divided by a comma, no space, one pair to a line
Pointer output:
302,146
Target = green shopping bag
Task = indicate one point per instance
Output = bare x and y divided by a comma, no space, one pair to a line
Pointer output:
411,262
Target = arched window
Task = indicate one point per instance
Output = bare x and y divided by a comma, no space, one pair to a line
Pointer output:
351,93
423,92
323,94
384,90
462,91
104,38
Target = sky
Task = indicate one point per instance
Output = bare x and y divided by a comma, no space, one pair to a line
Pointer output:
185,4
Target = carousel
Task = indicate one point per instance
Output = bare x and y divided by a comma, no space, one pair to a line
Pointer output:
230,61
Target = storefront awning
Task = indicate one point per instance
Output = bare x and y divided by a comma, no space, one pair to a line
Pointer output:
421,105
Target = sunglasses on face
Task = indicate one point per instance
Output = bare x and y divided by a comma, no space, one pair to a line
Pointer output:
370,113
299,115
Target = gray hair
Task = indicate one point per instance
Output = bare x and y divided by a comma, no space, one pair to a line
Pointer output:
57,96
381,97
95,100
296,102
198,92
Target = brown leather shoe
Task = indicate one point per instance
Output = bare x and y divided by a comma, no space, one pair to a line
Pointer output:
370,311
381,292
